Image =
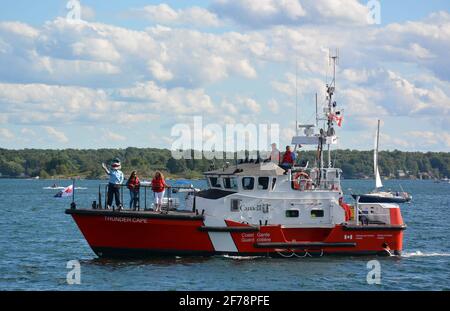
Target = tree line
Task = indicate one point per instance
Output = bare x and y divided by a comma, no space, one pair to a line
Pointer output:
87,163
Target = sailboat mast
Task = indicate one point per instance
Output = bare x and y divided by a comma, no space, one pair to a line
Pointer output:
378,138
378,182
376,149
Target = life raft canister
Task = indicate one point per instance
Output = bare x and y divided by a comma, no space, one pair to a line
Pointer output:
298,179
347,208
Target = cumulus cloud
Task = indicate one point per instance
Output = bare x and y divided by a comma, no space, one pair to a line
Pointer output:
57,135
424,42
100,55
111,136
266,13
83,72
292,85
422,140
385,92
165,15
6,134
41,103
176,100
273,105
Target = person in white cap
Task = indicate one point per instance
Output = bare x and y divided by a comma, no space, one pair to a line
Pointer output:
275,154
115,182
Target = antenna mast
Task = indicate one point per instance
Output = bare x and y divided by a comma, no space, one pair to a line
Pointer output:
331,104
296,96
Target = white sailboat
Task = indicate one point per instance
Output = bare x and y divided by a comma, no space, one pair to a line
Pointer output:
377,195
378,183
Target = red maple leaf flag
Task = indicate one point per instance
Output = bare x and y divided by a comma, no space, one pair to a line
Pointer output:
338,120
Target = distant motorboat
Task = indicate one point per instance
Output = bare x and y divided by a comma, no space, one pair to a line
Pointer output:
378,196
54,187
61,188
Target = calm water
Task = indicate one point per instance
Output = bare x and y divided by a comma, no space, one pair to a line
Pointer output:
38,239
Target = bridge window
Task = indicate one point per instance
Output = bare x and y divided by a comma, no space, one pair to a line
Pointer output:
274,181
248,183
263,183
293,213
315,213
230,183
214,182
235,205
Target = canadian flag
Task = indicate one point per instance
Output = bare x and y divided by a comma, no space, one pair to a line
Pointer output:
338,120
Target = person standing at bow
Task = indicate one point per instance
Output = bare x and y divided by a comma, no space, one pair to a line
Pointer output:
158,186
115,182
133,185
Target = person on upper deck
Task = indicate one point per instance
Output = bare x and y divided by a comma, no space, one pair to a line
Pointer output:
158,186
133,185
115,182
288,160
274,155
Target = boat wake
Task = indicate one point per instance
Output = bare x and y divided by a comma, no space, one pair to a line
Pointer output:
61,188
241,257
420,254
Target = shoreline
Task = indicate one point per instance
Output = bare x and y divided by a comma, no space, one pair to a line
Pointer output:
180,178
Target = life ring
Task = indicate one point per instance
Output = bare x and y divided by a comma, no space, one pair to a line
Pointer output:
302,176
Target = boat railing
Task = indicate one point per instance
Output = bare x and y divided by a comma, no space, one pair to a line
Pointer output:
328,180
169,201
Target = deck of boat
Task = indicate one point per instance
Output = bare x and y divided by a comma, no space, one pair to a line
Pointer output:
180,215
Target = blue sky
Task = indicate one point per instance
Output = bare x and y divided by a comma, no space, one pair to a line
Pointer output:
132,70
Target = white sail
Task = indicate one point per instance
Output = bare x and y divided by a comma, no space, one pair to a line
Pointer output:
378,183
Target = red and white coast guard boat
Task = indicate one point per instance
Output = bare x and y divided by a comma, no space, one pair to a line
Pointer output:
255,209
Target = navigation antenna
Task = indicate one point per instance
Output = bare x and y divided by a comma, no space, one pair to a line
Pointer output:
296,96
333,60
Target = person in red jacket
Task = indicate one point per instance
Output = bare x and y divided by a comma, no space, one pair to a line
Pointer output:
288,160
159,186
134,184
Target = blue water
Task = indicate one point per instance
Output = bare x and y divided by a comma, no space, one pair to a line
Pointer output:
37,240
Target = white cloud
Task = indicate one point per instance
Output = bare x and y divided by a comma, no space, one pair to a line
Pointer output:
176,100
27,132
193,16
424,42
251,105
54,134
111,136
100,55
6,134
273,106
422,140
87,13
82,73
266,13
292,85
159,72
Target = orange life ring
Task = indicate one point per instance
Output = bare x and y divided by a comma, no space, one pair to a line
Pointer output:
297,177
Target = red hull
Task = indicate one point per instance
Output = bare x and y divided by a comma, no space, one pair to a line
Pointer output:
126,234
